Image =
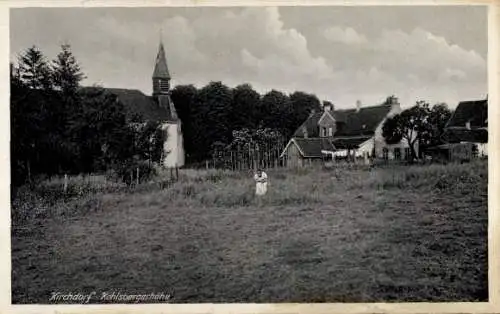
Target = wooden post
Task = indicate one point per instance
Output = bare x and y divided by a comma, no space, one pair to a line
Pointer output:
29,171
206,164
137,179
249,157
171,173
176,173
232,163
65,188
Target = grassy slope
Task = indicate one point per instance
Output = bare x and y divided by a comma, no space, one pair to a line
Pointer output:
403,234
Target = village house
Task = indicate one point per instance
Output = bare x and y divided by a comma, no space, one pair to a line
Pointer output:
159,108
466,133
350,134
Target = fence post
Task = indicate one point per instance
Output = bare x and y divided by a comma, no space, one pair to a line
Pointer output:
206,164
65,188
137,179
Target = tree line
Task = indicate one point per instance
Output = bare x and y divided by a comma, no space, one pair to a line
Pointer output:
216,116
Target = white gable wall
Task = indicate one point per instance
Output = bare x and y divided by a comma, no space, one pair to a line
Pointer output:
173,147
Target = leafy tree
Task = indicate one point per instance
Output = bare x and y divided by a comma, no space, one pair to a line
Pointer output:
246,102
438,117
410,125
100,130
149,140
34,70
302,104
183,97
276,110
211,118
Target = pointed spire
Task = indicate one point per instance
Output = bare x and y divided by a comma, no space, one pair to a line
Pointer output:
161,68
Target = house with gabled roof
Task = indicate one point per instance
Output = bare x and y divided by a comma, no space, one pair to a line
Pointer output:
158,107
468,125
345,133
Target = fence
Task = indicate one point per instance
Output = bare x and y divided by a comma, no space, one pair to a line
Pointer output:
251,157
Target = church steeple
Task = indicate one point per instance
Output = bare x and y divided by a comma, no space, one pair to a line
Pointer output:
161,76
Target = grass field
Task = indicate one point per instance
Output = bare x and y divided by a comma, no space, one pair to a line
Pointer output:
415,233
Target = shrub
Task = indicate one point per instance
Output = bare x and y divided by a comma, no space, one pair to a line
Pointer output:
127,172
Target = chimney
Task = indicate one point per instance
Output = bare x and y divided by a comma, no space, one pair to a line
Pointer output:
395,106
304,131
327,106
358,105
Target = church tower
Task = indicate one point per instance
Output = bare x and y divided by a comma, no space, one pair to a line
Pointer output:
173,146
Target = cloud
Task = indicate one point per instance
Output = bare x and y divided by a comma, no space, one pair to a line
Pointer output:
256,45
347,35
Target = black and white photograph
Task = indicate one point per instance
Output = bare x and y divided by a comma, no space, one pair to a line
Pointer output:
249,154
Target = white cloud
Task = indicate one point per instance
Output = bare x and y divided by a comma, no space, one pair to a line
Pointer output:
255,45
347,35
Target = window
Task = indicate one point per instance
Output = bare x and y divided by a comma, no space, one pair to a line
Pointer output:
330,131
397,153
407,153
385,151
323,133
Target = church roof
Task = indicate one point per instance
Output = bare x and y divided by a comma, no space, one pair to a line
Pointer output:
137,103
161,68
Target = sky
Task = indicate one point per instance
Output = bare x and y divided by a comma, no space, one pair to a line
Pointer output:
341,54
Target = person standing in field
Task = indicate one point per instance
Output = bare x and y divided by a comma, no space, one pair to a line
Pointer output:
260,183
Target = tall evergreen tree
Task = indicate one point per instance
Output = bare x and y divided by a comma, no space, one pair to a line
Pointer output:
67,73
34,70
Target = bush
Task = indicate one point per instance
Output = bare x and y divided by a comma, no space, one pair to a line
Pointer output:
127,172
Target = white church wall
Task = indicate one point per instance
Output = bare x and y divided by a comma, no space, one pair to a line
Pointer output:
172,147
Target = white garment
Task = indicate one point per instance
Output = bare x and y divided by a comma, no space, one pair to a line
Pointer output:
261,183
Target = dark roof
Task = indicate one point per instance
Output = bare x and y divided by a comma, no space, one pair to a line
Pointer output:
350,122
161,68
348,143
475,112
312,147
361,122
456,135
137,103
311,125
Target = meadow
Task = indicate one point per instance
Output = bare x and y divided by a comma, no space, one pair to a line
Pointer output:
342,234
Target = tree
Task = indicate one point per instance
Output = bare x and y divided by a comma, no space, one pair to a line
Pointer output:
246,102
276,112
183,97
100,131
302,104
438,117
211,118
410,125
149,140
67,73
34,70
